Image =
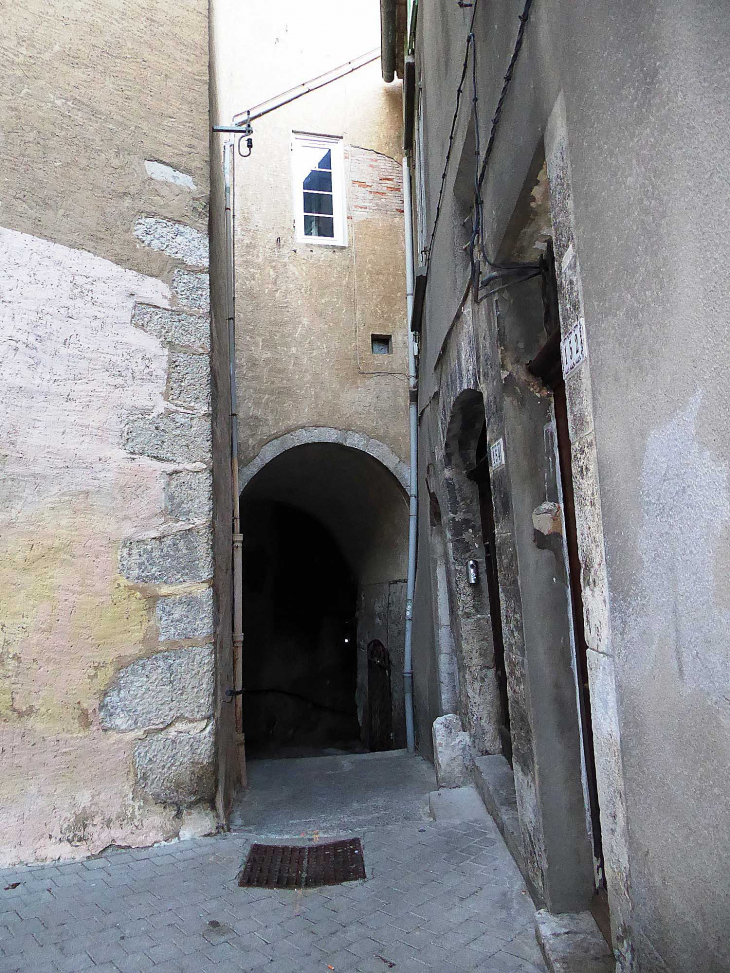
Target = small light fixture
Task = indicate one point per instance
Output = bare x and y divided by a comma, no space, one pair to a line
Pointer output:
472,572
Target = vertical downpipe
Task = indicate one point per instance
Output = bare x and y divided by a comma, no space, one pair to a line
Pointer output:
413,489
236,512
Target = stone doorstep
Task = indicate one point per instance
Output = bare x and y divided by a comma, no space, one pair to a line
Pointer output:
457,804
572,943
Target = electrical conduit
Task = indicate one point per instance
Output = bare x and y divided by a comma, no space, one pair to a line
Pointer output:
228,156
413,488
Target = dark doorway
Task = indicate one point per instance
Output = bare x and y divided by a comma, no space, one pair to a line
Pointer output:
548,367
380,698
480,476
300,660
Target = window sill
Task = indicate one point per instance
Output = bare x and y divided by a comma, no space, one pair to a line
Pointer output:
321,242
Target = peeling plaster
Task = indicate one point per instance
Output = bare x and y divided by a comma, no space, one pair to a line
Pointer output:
685,507
165,173
75,365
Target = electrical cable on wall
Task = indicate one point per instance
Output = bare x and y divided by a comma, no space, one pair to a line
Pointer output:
454,120
477,237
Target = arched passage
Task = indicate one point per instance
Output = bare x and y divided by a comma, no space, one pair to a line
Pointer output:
483,703
325,527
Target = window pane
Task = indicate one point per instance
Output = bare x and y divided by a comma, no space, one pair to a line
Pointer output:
326,161
319,226
318,203
310,156
318,181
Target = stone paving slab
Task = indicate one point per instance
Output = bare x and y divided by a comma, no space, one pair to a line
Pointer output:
438,896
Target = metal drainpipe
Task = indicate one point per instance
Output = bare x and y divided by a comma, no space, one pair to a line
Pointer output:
413,489
228,165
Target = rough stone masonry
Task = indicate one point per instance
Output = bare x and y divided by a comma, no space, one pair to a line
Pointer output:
107,628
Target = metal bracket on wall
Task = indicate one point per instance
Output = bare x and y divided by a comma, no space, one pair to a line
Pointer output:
244,131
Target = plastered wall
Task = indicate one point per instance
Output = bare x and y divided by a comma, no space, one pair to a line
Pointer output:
637,245
108,616
305,313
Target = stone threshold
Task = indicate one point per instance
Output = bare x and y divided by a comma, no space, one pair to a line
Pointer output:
572,943
457,804
495,783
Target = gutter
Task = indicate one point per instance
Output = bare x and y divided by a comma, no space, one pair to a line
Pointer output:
237,538
388,32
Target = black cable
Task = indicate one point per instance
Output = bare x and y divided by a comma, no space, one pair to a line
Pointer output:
478,209
510,283
459,90
498,114
478,218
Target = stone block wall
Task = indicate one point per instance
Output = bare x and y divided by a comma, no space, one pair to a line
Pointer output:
108,641
170,695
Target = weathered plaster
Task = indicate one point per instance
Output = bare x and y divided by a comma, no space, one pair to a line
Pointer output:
71,494
594,580
165,173
306,312
90,435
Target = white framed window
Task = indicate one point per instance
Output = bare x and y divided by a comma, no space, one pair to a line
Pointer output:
318,171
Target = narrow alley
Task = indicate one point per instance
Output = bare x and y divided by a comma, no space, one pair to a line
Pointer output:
440,894
364,486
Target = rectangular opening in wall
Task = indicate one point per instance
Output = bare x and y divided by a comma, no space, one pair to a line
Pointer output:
319,189
381,344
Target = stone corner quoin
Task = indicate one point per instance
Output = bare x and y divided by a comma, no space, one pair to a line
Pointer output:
169,696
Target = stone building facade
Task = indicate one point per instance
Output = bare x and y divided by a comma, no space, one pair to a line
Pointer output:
116,663
107,656
321,361
571,603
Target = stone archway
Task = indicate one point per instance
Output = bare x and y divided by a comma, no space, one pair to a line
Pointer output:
479,697
325,434
308,497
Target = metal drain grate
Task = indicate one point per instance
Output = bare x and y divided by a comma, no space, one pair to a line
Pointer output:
297,866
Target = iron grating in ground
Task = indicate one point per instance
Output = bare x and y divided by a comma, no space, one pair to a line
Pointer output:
303,866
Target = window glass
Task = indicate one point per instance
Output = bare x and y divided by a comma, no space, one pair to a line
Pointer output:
318,203
319,181
319,226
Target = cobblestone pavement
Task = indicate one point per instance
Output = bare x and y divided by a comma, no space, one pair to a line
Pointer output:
438,896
